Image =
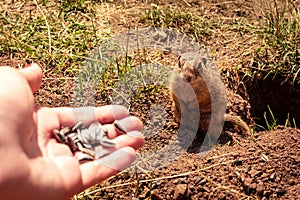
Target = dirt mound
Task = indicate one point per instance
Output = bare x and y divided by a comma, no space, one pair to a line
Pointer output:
266,167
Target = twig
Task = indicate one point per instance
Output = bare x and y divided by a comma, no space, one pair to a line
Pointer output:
48,27
157,179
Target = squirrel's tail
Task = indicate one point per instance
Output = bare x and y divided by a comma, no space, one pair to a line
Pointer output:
236,120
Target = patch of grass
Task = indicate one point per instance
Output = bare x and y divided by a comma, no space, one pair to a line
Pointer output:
59,34
173,17
289,123
279,55
271,121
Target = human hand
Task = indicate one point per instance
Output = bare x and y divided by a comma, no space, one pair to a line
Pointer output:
33,164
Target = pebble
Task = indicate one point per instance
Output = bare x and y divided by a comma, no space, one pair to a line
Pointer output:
267,193
273,176
252,187
256,173
264,157
176,181
155,195
181,192
202,182
260,189
280,192
292,182
183,180
246,184
248,181
247,169
281,146
237,162
251,150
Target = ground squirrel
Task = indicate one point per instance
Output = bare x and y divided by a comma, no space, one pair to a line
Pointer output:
197,80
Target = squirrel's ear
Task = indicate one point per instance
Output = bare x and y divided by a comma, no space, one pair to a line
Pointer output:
201,64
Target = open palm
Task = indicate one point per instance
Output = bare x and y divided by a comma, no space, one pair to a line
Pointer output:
33,164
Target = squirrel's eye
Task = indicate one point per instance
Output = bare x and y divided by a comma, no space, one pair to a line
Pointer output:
201,64
179,63
199,67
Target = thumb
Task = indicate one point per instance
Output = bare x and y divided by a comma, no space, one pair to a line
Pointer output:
33,74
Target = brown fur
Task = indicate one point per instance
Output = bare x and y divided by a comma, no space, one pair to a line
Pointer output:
197,86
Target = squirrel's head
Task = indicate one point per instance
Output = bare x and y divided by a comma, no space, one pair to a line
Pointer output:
191,65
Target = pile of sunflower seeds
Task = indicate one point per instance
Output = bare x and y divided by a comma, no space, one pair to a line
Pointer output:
91,141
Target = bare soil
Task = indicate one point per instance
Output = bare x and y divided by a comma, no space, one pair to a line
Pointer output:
267,168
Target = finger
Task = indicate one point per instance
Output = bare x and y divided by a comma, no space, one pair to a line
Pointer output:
104,114
128,124
33,74
134,139
99,170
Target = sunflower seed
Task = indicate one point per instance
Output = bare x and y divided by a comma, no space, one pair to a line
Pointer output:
65,131
119,126
73,135
71,144
59,136
107,143
92,142
77,126
88,152
273,176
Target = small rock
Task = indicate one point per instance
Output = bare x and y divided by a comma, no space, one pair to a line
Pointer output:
202,182
203,189
192,188
260,189
273,176
264,175
155,185
267,193
183,180
292,182
222,160
237,162
246,184
155,195
280,192
248,181
222,196
281,146
251,150
247,169
146,192
181,192
252,187
256,173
